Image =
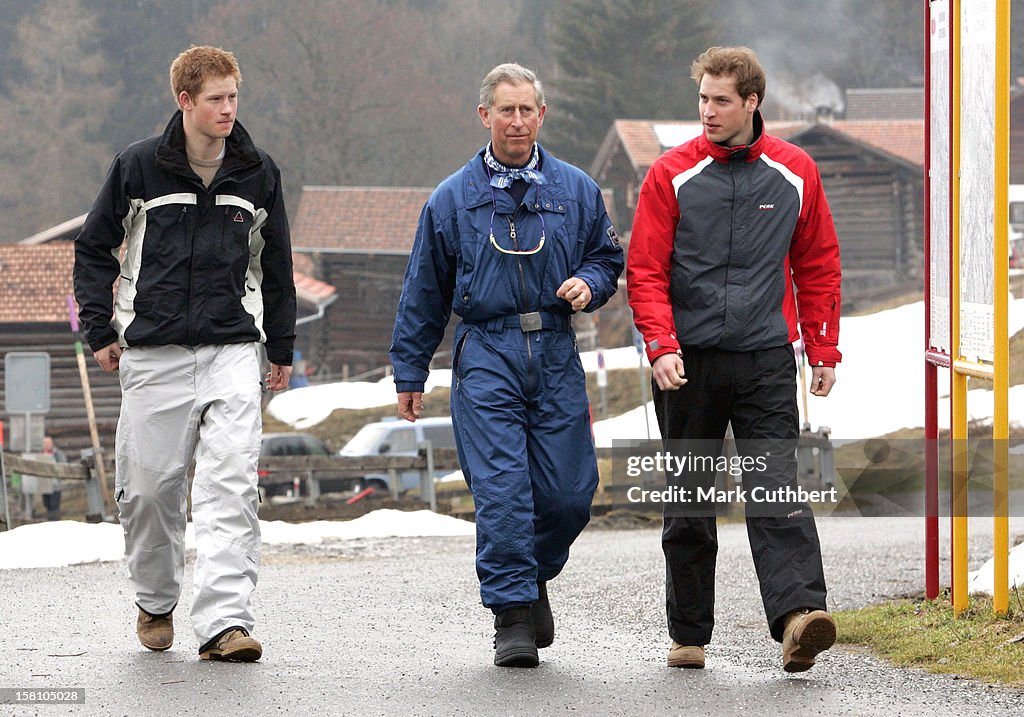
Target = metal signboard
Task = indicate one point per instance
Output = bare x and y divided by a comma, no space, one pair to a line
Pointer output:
26,382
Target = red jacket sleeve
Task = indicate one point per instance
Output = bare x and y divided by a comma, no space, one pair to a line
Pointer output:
649,261
814,260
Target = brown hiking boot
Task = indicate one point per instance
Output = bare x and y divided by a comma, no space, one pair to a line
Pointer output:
235,645
688,656
155,632
807,633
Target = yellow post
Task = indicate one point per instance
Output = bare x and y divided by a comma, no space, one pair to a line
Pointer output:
1001,299
958,388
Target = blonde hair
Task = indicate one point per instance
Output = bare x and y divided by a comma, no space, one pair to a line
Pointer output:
197,64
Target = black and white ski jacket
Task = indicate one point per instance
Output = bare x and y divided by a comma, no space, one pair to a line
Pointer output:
197,265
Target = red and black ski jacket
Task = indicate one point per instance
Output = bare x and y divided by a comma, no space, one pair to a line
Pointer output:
722,236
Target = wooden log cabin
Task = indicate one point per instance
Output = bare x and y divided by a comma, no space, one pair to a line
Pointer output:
35,281
358,239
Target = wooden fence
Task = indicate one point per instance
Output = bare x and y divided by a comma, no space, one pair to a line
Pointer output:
279,470
309,471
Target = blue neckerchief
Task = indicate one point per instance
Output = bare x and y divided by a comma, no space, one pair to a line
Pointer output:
502,176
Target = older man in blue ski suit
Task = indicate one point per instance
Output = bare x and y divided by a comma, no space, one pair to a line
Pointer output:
515,242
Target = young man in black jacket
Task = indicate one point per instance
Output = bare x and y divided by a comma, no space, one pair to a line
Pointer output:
191,226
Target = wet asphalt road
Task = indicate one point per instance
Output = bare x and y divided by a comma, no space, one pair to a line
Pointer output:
394,627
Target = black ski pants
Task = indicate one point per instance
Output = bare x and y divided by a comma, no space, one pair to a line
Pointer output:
756,392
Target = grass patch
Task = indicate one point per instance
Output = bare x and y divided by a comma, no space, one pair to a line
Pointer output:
924,634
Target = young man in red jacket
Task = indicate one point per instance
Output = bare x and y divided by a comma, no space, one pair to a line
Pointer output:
727,225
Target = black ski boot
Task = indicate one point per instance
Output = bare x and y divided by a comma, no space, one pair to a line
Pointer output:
543,622
513,639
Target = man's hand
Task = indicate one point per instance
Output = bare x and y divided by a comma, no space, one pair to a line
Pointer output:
668,371
823,378
576,291
277,377
109,357
410,405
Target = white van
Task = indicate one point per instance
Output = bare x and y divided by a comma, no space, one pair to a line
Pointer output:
398,438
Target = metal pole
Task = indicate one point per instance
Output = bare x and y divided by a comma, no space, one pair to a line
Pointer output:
28,497
931,385
958,380
643,393
3,482
428,484
1001,367
803,388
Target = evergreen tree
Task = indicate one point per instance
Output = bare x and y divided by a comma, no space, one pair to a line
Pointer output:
619,60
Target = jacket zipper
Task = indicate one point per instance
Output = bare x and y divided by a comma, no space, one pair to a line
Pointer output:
522,280
190,232
458,360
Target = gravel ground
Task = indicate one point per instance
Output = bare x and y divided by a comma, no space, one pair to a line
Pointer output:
394,627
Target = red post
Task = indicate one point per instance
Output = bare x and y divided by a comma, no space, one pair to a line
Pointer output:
364,493
931,394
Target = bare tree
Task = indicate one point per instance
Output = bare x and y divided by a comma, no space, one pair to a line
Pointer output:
52,156
349,92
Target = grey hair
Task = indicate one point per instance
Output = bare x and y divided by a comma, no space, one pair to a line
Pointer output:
513,74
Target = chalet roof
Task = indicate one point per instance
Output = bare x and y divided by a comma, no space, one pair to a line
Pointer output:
886,103
364,219
35,281
643,141
900,138
311,290
368,220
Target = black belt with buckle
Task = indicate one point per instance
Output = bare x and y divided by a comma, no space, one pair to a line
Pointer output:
531,322
527,323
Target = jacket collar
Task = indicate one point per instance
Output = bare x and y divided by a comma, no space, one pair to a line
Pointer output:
239,151
740,153
477,185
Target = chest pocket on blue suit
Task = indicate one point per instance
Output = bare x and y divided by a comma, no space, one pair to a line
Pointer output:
470,257
564,245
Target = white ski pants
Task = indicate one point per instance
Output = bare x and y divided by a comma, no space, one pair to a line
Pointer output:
180,403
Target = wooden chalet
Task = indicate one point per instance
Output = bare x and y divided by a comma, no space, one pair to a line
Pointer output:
357,239
35,283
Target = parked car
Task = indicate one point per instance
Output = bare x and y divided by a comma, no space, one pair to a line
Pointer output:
398,438
296,444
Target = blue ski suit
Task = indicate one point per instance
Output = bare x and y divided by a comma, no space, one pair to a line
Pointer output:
518,398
